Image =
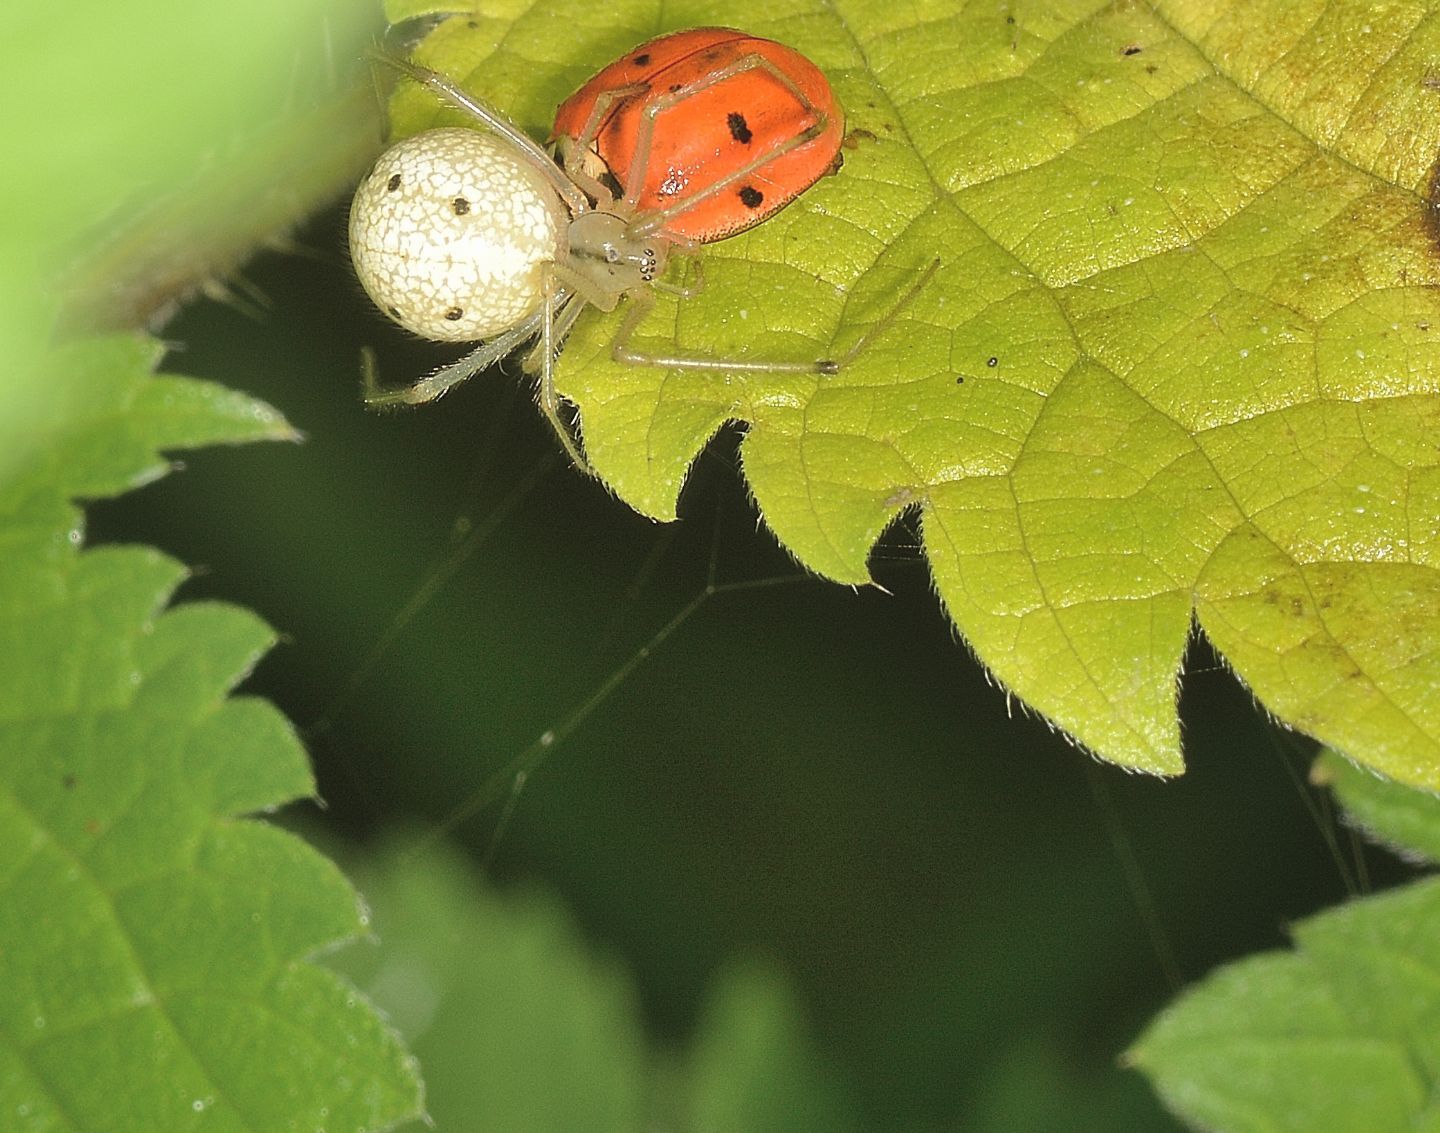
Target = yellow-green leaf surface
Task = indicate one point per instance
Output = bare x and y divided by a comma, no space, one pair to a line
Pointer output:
1179,361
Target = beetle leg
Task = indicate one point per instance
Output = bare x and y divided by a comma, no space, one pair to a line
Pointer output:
581,156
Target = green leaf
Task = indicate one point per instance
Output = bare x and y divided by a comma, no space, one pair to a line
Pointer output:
751,1066
194,237
174,138
155,944
517,1027
1037,1084
1179,362
520,1026
1403,818
1340,1035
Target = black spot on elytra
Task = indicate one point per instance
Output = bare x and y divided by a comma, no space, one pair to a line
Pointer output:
460,205
394,182
643,59
735,121
455,314
751,197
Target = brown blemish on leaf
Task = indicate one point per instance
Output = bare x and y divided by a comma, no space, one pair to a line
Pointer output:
1431,206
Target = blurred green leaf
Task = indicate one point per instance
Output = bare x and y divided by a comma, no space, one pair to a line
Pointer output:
515,1025
1035,1086
751,1066
519,1026
1339,1035
1404,818
1180,359
155,945
174,139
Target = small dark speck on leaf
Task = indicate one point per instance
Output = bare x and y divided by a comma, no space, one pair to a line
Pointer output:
992,361
1431,206
1131,49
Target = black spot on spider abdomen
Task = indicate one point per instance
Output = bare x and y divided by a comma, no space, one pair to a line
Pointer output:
751,197
455,314
394,182
739,130
460,205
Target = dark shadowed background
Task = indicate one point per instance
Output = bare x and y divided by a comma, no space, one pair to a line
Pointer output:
977,916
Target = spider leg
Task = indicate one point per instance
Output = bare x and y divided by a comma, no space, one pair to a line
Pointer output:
428,388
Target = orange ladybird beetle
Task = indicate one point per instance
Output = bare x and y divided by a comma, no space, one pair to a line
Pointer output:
706,132
478,235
